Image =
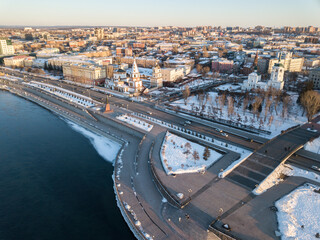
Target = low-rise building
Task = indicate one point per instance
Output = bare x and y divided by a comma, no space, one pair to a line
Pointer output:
16,61
275,82
89,74
172,74
289,63
222,65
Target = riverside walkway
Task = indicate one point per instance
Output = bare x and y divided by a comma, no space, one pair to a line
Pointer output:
147,212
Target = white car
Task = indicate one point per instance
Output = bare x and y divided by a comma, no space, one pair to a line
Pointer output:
316,168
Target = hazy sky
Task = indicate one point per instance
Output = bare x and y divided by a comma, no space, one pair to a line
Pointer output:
161,12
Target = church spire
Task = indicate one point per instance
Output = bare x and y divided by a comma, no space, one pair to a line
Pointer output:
135,69
255,62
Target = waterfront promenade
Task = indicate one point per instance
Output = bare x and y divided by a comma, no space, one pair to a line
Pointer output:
146,198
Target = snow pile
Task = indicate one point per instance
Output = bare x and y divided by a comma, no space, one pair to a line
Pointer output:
280,172
63,93
313,146
105,147
299,213
135,122
137,222
178,155
245,154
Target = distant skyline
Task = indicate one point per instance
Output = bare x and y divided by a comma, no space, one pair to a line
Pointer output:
185,13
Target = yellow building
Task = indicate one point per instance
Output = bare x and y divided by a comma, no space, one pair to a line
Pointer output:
89,74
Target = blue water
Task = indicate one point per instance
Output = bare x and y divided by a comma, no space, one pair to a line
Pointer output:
53,183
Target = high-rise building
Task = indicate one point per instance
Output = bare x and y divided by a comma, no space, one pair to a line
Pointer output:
99,33
6,47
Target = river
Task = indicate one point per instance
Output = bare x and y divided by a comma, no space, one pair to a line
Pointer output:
55,177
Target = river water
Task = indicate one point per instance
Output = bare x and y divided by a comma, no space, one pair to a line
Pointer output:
55,178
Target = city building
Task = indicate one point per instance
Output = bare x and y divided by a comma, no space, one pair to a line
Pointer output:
222,65
16,61
156,79
275,82
6,47
135,83
120,82
172,74
290,64
89,74
314,76
99,33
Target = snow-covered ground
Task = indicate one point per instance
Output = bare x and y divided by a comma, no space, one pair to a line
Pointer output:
178,155
196,83
105,147
276,177
244,154
61,92
143,71
135,122
299,213
273,122
313,146
228,86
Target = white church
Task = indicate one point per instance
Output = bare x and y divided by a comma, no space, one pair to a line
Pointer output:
120,82
276,80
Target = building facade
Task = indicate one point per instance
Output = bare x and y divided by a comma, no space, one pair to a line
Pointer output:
314,76
275,82
6,47
290,64
172,74
156,79
16,61
85,74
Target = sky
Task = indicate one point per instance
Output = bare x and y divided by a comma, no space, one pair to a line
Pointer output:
185,13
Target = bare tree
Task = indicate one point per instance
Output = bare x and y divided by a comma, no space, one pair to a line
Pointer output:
310,100
199,68
206,69
206,153
256,105
195,155
186,94
267,108
285,103
245,103
187,146
230,106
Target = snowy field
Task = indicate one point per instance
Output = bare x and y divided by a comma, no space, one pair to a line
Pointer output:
105,147
272,120
63,93
244,154
143,71
313,146
299,213
135,122
284,170
228,86
178,155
